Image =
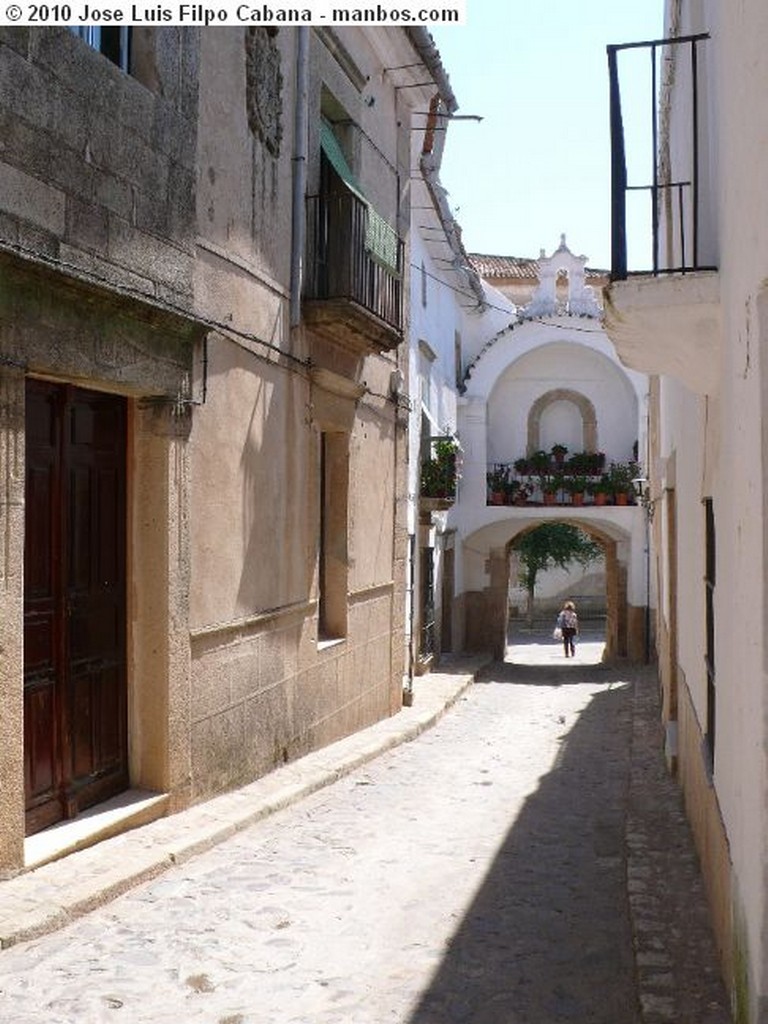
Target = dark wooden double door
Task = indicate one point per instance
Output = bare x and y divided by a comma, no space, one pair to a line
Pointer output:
75,749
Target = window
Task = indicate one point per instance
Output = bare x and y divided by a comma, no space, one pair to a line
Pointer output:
423,285
334,487
113,42
709,583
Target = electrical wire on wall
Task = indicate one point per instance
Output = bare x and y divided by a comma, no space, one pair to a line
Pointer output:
274,355
503,309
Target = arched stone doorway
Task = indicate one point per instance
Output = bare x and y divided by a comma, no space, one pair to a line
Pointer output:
486,611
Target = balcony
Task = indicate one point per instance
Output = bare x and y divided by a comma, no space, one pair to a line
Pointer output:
664,316
353,285
439,474
674,214
669,326
547,478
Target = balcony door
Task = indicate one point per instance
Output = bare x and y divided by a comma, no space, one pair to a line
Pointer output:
75,747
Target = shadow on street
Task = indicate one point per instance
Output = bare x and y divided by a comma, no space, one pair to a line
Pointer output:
547,938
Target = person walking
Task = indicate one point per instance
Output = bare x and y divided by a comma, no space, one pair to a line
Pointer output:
568,624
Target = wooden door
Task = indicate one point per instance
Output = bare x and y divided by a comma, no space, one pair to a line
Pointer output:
75,749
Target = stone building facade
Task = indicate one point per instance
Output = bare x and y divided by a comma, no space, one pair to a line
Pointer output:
203,239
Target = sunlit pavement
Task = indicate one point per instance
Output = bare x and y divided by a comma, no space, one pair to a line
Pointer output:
537,647
524,861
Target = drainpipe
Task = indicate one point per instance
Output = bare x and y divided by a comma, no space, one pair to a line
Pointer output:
412,550
299,168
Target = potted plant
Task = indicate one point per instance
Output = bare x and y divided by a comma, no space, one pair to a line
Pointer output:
522,467
539,462
550,484
621,475
497,481
600,490
559,451
439,472
577,488
430,478
445,453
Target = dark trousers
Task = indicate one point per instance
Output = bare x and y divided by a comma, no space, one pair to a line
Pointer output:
568,634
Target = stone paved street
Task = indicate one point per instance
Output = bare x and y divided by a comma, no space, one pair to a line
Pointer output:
477,875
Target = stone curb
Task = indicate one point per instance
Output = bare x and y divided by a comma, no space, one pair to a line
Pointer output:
47,898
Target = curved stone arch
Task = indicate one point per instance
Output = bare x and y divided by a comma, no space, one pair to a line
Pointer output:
617,641
582,403
486,612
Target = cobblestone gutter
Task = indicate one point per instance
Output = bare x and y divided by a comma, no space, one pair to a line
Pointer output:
675,951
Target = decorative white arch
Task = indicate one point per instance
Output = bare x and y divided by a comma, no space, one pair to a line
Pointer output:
517,340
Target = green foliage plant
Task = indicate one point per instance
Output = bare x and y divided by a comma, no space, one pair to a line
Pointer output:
549,546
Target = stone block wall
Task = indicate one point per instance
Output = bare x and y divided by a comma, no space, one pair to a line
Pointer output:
97,168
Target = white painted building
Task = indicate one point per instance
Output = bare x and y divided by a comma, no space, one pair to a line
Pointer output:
698,321
549,377
446,295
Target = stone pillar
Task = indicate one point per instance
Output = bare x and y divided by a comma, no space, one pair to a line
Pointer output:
636,629
612,599
159,708
498,602
11,620
486,610
469,619
473,430
622,607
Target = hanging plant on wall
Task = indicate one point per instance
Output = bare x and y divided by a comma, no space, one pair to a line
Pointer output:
439,473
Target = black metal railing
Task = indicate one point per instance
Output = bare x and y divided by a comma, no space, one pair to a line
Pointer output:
676,196
345,260
540,480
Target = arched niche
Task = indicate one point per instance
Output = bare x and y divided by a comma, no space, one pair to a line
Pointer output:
549,402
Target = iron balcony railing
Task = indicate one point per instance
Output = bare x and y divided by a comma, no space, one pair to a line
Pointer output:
675,197
536,481
346,258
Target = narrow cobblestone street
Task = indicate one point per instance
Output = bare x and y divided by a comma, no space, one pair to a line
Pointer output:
525,861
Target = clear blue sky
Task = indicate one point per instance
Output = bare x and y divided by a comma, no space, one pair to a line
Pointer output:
539,162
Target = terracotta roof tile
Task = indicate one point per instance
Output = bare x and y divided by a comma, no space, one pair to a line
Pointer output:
521,267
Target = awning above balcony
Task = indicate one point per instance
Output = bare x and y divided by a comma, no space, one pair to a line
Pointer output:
381,239
333,151
668,325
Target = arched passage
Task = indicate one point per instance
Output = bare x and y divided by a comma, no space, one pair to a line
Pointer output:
486,611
